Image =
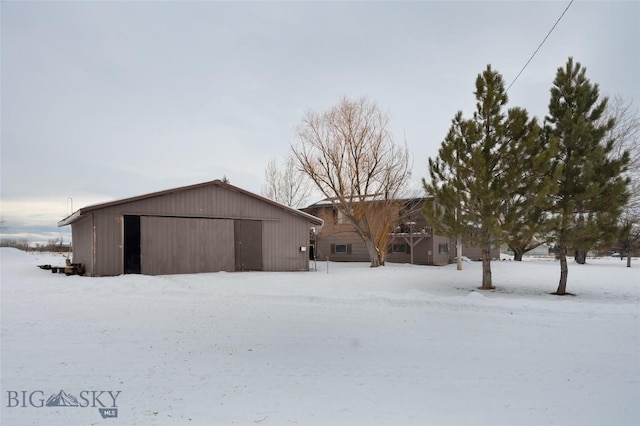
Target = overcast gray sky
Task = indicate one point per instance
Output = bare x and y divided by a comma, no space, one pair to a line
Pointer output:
105,100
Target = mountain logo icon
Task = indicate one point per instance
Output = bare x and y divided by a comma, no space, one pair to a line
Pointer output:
62,399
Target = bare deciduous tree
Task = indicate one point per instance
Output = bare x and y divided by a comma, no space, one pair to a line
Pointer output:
626,136
350,155
287,185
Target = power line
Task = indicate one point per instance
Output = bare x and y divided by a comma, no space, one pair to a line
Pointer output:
540,45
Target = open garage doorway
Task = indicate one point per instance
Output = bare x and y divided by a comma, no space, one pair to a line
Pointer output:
132,260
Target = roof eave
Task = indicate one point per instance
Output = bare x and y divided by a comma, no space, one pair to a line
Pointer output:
70,219
75,216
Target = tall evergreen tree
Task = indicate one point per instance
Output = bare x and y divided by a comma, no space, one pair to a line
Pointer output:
591,188
450,174
529,165
479,171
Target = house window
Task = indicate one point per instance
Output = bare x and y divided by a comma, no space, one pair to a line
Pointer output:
342,218
443,248
341,248
400,248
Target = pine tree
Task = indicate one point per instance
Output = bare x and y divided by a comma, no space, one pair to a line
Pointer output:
470,178
449,174
492,178
488,186
528,163
591,188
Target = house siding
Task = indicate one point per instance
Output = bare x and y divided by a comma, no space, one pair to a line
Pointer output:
420,251
357,250
334,233
474,252
426,250
442,258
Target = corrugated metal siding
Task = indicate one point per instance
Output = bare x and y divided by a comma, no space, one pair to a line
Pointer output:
248,245
283,233
172,245
211,202
281,242
82,241
108,243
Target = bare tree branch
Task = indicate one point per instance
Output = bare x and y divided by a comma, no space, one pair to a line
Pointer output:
350,155
625,136
287,184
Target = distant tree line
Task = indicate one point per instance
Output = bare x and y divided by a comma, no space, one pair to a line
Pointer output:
53,245
20,244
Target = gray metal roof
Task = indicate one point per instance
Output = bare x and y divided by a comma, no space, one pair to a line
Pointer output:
79,213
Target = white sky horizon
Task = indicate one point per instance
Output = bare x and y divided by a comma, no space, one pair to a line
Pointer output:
107,100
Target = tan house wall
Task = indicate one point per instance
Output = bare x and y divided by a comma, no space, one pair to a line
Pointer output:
335,233
474,251
428,249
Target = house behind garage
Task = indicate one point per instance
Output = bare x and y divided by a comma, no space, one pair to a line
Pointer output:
207,227
412,240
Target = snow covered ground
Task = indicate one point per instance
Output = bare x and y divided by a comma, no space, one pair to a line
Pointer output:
398,345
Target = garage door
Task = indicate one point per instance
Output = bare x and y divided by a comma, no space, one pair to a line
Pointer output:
175,245
248,245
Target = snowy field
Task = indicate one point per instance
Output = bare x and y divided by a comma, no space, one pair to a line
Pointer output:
398,345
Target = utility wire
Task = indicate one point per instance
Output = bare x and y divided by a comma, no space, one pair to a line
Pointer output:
540,45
